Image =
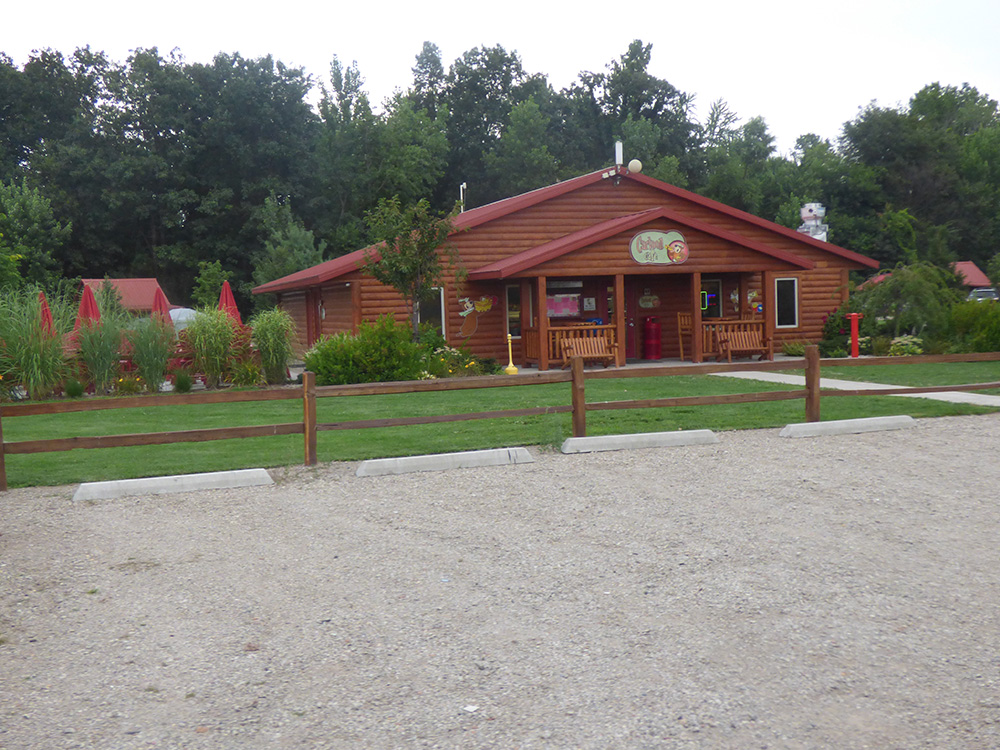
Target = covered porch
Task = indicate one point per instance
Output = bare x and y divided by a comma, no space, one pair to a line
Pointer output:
647,317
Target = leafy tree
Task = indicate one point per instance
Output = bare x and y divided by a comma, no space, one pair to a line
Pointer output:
993,270
427,93
483,86
932,159
30,233
10,276
739,173
362,156
109,301
289,247
521,161
914,299
208,283
413,254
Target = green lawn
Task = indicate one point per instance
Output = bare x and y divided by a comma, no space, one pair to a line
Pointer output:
351,445
952,373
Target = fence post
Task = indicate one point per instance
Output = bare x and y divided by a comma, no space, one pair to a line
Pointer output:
812,383
3,467
579,398
309,416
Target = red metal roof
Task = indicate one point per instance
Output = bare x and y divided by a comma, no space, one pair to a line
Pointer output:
576,240
136,294
475,217
970,274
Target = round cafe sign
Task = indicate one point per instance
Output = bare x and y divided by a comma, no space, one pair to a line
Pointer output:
660,248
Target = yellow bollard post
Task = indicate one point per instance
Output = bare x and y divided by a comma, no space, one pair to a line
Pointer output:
510,369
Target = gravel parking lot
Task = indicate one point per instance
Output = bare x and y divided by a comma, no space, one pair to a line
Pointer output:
835,592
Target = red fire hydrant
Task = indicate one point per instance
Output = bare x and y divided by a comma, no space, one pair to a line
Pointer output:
855,317
651,343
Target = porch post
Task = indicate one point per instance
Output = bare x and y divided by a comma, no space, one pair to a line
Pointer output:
542,311
697,341
744,309
526,319
767,300
620,327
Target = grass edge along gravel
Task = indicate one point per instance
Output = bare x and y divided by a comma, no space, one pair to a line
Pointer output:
546,431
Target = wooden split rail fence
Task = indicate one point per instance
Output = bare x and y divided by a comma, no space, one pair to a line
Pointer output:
577,377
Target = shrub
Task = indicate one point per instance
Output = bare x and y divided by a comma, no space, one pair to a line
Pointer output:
906,346
152,343
74,388
129,384
210,336
380,352
31,357
273,333
246,372
182,383
100,350
449,362
794,348
976,326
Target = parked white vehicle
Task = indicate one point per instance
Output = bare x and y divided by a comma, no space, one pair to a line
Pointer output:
984,294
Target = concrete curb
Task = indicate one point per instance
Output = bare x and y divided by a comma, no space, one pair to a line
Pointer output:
847,426
638,440
442,461
178,483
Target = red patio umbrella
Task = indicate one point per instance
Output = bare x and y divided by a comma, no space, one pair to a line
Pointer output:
228,303
89,311
46,314
161,308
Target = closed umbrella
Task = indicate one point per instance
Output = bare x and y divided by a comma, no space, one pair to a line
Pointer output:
161,308
48,327
228,303
89,312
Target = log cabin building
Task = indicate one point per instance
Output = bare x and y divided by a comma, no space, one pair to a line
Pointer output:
649,270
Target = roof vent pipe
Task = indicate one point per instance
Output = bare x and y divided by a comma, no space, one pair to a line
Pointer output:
619,158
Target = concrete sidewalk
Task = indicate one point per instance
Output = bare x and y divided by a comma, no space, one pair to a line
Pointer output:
954,397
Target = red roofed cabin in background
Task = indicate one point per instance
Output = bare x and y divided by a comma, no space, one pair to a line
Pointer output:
596,256
977,282
137,295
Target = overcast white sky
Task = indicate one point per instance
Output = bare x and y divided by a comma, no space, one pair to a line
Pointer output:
805,67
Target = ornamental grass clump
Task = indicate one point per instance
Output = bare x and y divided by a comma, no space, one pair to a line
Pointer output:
273,336
244,369
32,357
101,350
209,337
151,341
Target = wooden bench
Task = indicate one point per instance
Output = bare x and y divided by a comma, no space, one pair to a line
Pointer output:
590,348
744,342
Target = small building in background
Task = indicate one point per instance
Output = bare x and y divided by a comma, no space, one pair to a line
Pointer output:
136,294
977,282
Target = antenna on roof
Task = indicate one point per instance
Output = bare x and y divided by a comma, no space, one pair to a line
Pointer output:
619,158
461,196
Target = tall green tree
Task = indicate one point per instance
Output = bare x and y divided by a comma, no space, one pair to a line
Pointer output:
520,160
362,156
427,93
289,247
30,236
483,86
